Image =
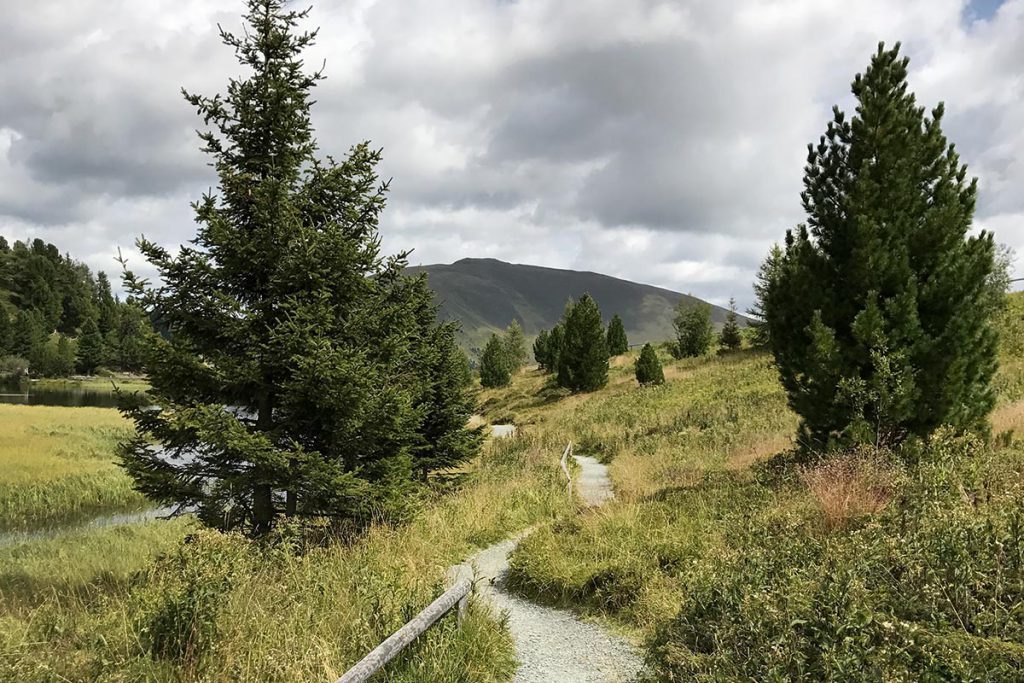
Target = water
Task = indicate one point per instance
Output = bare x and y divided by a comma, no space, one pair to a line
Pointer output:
119,519
72,396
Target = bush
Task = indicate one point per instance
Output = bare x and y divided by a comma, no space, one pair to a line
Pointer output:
13,368
648,367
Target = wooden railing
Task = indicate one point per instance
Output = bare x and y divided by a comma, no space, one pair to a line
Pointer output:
456,597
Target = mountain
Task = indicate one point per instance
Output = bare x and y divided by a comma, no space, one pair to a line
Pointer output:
486,294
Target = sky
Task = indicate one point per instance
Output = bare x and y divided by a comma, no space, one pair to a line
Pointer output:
657,141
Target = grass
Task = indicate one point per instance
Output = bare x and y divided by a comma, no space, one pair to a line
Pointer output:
217,607
894,565
56,466
127,383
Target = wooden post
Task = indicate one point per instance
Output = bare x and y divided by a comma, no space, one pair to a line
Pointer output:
386,651
565,468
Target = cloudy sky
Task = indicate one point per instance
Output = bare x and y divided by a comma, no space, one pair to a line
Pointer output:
659,141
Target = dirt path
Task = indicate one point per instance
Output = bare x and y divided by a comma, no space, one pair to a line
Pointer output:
553,645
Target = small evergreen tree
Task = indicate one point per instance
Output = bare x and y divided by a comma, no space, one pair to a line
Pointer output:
90,347
515,346
540,349
693,329
618,343
766,276
880,312
28,338
730,337
495,370
648,367
583,359
554,347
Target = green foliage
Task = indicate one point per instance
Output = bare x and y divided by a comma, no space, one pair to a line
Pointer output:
583,354
880,311
648,367
694,332
618,343
540,349
91,350
13,368
6,332
730,337
302,372
766,276
515,345
495,369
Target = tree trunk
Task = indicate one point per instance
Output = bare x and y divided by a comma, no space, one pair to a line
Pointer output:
262,494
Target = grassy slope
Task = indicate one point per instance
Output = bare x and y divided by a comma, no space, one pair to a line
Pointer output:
728,575
94,607
56,465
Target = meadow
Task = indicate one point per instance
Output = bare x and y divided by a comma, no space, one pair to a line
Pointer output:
57,466
732,564
168,601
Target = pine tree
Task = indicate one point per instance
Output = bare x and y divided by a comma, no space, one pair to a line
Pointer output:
693,329
766,276
64,357
296,371
554,347
880,312
730,337
540,349
106,307
583,359
515,346
6,333
27,337
495,370
648,367
618,343
91,347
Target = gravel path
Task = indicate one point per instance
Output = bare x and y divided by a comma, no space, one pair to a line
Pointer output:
553,645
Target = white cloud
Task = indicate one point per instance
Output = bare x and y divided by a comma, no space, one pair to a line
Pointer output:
654,140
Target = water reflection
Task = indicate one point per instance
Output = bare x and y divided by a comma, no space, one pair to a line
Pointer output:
71,396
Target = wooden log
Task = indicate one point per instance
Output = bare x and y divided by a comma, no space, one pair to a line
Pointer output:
565,467
389,649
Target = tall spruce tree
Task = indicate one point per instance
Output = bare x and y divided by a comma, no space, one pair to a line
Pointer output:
694,332
879,315
495,369
648,367
730,337
294,377
618,343
554,347
583,359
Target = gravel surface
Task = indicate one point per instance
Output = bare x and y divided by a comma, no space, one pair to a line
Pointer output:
553,645
501,431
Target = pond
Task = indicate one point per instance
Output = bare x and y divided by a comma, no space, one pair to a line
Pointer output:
69,395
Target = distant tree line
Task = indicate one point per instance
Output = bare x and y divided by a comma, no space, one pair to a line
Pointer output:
57,318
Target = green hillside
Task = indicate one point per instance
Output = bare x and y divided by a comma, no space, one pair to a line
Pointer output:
486,294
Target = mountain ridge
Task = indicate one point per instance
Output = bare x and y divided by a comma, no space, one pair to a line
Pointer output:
485,294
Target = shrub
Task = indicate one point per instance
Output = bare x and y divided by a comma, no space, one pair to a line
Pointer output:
693,329
648,367
13,368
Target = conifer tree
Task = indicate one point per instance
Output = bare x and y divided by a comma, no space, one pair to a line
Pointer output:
583,358
618,343
540,349
766,276
495,370
880,311
294,377
648,367
65,356
730,337
693,329
554,347
515,346
90,347
27,337
6,333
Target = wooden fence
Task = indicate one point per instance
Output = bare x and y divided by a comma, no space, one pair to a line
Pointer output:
456,597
